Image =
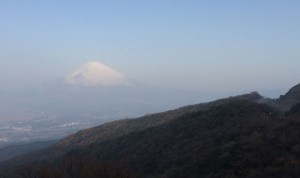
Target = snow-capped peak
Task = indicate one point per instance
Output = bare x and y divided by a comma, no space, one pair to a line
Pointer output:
96,74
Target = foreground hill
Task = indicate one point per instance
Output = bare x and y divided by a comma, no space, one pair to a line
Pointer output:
243,136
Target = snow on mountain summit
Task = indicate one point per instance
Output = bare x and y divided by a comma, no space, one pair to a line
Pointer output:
96,74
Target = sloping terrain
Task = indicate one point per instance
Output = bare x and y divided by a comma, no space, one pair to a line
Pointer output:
291,98
239,136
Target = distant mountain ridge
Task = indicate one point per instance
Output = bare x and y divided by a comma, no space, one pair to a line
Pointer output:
241,136
15,150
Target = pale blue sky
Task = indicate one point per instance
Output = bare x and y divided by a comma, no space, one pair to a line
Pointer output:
231,45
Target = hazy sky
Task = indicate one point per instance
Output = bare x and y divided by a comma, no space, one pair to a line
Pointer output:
218,45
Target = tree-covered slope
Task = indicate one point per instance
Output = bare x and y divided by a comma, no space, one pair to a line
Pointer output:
241,136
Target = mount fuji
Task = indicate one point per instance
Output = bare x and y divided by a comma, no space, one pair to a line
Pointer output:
91,95
94,74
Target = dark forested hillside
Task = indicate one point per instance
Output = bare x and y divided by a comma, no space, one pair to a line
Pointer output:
240,136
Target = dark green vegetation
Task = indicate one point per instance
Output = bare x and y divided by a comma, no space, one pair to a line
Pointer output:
243,136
